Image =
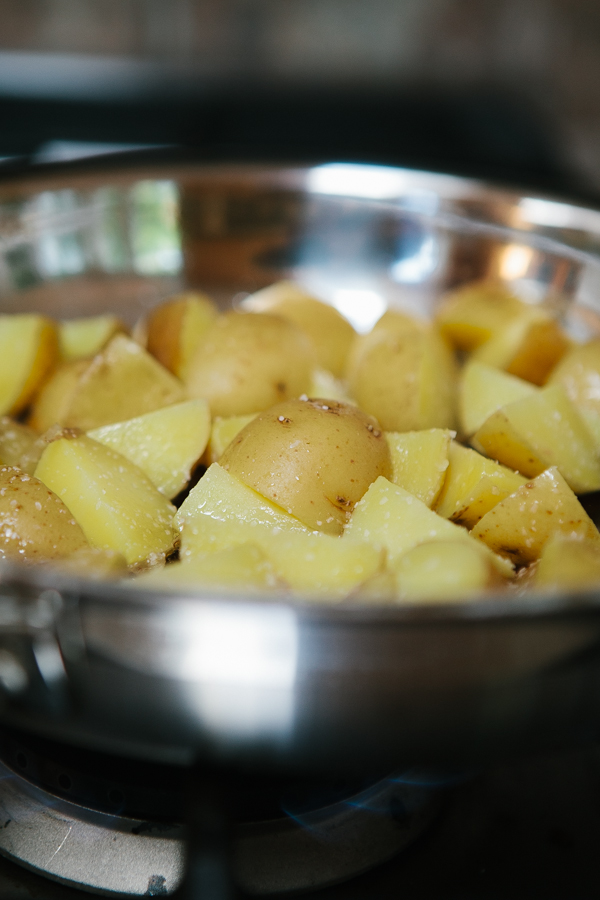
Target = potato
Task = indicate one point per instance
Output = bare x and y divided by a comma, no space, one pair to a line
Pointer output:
116,505
579,373
540,431
324,384
220,512
444,571
568,563
28,352
529,346
484,389
91,562
248,361
520,525
405,377
35,525
80,338
175,328
314,458
472,314
166,444
420,461
242,567
222,433
119,383
473,486
17,442
330,332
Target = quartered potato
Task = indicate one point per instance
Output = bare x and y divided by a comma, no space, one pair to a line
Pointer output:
474,313
175,328
482,390
80,338
28,353
568,563
579,373
313,458
420,461
120,382
447,571
243,567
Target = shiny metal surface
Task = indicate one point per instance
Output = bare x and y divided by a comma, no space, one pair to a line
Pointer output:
276,683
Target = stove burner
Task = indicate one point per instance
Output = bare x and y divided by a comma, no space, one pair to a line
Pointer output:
312,837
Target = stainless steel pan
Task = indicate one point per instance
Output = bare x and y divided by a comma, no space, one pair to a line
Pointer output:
269,681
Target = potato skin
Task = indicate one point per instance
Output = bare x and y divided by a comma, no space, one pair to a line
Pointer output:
249,361
314,458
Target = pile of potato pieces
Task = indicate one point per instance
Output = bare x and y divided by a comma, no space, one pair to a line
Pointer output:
421,462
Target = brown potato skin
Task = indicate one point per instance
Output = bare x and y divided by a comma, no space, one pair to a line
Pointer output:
249,361
314,458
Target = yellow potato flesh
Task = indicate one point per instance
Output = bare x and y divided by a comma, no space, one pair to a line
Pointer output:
528,347
406,378
79,338
444,571
220,512
324,384
471,315
540,431
247,362
330,332
35,525
222,433
114,502
28,352
473,486
579,373
568,564
314,458
420,461
520,525
243,567
165,444
91,562
119,383
175,328
484,389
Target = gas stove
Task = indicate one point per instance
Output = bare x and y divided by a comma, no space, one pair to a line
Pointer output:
528,828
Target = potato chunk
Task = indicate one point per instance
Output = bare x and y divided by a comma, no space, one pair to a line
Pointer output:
80,338
579,373
420,461
520,525
444,571
222,433
314,458
175,328
115,503
484,389
330,332
540,431
165,444
405,377
472,314
568,564
120,382
473,486
35,525
529,346
28,352
242,567
249,361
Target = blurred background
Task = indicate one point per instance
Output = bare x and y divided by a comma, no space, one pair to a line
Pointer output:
506,89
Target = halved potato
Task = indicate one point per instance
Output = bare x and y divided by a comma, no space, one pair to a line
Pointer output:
473,486
28,352
539,431
166,444
35,525
114,502
482,390
420,461
521,525
330,332
445,571
80,338
473,313
120,382
175,328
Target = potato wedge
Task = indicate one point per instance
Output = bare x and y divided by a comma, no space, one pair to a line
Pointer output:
330,332
114,502
521,525
484,389
80,338
579,373
175,328
35,525
314,458
472,314
568,564
539,431
445,571
119,383
28,352
420,461
166,444
473,486
529,346
247,362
